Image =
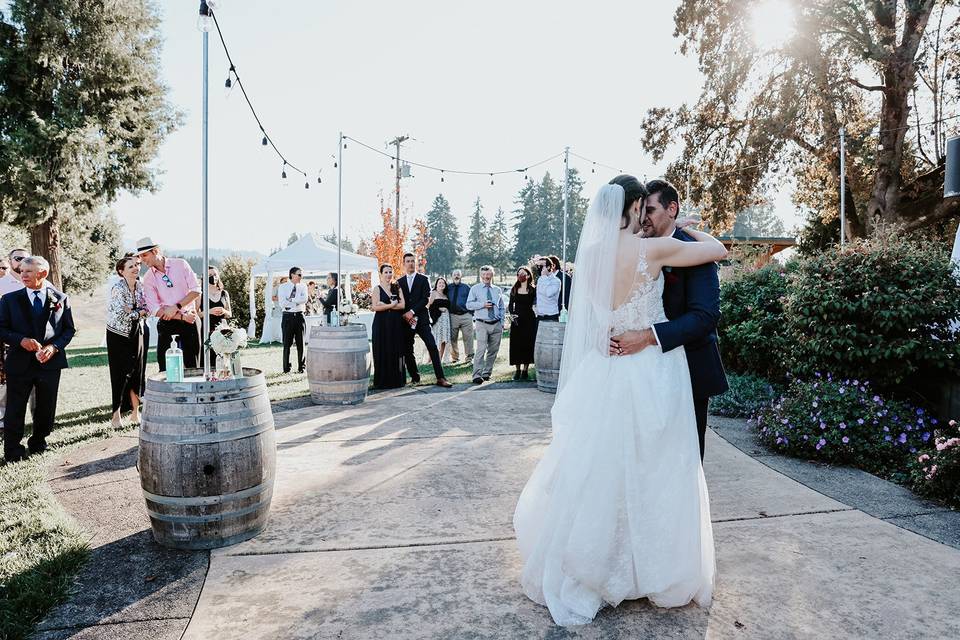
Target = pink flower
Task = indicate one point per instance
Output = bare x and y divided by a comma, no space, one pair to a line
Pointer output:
923,458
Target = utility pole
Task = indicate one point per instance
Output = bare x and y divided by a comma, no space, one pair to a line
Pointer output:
843,188
397,142
566,209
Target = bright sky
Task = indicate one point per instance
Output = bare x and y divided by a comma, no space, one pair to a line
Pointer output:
479,86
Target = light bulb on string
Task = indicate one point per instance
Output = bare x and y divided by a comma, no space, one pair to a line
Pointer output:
391,163
306,184
264,141
593,169
491,179
441,175
319,178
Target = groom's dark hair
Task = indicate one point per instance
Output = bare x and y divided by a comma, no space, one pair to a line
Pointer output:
633,190
665,192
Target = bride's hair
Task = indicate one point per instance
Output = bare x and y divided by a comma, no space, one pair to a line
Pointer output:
633,190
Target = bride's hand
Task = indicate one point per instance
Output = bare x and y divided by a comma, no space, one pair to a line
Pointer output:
693,220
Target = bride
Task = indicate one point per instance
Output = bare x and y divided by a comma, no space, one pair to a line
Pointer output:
617,508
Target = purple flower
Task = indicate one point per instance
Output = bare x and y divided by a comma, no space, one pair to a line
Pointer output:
817,373
859,420
926,436
823,425
815,405
845,439
887,438
779,440
842,391
902,438
822,442
784,421
933,421
876,398
919,412
818,446
886,428
806,437
843,425
856,382
913,449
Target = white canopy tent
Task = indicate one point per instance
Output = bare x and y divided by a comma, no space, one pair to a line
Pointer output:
313,255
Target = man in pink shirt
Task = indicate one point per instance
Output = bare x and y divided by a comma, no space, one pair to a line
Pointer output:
171,290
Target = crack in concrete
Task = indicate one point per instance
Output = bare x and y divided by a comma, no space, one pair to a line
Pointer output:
314,441
108,623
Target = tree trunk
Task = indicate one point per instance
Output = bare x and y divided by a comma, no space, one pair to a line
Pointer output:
45,242
899,76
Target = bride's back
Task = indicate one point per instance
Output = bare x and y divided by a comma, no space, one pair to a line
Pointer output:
628,270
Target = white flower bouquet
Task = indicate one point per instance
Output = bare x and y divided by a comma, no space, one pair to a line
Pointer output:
347,312
226,341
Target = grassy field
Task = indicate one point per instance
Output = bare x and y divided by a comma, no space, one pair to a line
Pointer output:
41,548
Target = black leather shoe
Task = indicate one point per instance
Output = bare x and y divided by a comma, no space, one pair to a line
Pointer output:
486,378
478,380
516,376
414,380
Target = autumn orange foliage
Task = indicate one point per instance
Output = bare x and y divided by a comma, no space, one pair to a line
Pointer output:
421,242
389,243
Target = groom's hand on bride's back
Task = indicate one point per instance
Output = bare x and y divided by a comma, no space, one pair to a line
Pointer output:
630,342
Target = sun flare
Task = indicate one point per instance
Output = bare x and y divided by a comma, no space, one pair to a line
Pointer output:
772,23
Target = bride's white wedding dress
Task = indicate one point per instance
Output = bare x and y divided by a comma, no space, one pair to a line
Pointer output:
617,508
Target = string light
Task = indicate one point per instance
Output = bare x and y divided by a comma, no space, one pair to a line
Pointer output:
229,83
283,173
491,179
441,175
306,185
264,142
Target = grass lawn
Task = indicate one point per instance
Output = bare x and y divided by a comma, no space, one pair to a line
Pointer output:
41,547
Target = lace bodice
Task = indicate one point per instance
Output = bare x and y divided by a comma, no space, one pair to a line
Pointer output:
644,306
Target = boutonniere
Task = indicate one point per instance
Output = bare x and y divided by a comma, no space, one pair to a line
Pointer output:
54,304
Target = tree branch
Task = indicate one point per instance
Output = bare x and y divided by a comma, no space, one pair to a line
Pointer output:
875,87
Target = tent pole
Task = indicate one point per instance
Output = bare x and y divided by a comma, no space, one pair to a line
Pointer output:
339,219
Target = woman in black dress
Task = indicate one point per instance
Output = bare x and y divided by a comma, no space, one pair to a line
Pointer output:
220,309
388,336
523,323
127,339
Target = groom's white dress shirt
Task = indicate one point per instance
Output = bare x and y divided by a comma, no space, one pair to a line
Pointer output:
292,300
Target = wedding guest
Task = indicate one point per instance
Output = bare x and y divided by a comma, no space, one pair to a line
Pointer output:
486,301
547,307
293,300
277,310
416,293
3,267
566,282
387,335
523,323
314,305
37,323
439,306
9,282
330,302
171,290
220,309
461,318
127,340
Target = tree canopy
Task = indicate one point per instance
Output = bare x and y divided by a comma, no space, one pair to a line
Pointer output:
82,111
880,69
444,254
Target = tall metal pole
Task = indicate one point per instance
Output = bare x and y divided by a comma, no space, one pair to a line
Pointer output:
566,209
206,199
339,219
843,187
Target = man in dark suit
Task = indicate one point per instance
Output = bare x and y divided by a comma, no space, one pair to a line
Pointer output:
691,300
416,295
37,323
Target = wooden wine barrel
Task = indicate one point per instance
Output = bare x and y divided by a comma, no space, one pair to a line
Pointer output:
338,364
546,354
207,459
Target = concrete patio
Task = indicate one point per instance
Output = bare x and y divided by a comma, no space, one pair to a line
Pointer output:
393,519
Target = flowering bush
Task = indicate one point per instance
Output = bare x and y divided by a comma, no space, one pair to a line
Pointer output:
746,396
937,473
845,421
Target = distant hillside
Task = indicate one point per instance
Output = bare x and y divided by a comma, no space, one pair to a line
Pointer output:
215,254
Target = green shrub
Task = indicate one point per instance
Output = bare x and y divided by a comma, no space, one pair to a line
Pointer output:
877,310
936,473
235,274
746,396
845,421
752,329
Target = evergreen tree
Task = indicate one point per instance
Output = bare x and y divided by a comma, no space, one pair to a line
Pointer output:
82,111
759,220
331,237
539,218
443,255
499,243
479,253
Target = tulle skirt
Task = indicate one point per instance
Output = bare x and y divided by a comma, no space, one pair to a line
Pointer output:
617,509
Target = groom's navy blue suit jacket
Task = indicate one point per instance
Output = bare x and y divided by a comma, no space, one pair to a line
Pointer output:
691,300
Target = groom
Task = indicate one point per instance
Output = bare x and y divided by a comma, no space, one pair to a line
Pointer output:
691,300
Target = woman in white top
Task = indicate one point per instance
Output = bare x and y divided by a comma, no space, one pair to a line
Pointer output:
127,340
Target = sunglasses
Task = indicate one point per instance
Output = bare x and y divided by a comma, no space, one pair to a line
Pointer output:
167,281
18,258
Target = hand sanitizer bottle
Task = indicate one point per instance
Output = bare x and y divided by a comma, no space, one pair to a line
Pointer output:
174,360
334,318
563,316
